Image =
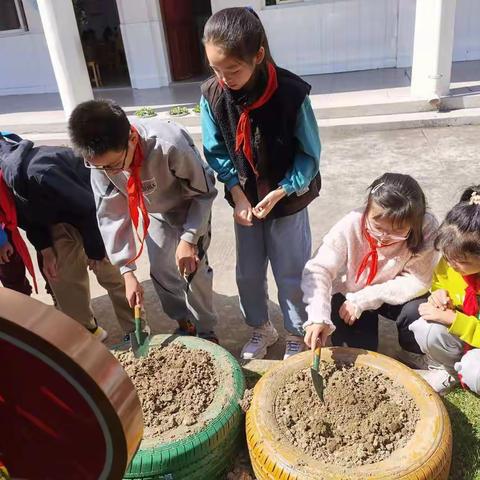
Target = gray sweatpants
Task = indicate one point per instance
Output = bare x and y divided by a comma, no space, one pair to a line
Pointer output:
286,243
448,350
182,299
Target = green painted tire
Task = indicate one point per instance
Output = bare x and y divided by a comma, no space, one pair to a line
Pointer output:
207,454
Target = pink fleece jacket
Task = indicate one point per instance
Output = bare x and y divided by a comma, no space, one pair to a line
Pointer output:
401,275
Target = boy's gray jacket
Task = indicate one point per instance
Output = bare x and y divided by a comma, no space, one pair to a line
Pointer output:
178,187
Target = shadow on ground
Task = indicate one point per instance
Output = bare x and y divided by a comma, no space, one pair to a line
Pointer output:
232,331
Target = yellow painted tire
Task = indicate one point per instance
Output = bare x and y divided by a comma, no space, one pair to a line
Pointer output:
427,456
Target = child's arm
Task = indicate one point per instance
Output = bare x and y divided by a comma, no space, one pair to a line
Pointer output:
467,328
6,250
414,280
214,147
114,221
307,159
3,237
198,184
319,274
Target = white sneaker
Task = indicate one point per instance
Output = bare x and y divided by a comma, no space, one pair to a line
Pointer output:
439,379
100,334
262,338
293,345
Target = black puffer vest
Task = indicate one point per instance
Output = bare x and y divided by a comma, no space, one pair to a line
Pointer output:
273,142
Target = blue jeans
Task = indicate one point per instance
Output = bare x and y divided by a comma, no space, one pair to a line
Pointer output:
287,243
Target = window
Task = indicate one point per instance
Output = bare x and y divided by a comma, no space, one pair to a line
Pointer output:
12,17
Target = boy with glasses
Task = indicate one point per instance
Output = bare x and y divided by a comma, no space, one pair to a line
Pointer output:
150,182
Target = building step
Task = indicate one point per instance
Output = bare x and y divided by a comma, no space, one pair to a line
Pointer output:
467,116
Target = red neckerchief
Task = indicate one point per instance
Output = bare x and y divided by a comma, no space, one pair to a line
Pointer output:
8,217
470,302
370,260
244,132
136,201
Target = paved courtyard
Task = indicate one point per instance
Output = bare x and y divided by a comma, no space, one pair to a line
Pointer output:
443,160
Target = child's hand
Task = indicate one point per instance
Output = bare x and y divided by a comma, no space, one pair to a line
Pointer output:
5,253
49,263
347,313
186,258
133,290
243,209
93,265
430,313
264,207
440,299
316,333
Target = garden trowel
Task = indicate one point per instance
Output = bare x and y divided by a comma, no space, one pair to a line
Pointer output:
140,338
316,376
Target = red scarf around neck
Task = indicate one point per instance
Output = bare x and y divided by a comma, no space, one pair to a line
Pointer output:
370,260
8,217
470,302
136,200
470,307
244,130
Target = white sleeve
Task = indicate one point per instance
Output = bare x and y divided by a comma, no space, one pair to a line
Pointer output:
319,274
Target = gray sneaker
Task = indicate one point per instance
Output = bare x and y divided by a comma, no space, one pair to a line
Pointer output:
262,338
293,345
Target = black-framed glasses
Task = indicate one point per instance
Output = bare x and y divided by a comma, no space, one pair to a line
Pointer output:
107,167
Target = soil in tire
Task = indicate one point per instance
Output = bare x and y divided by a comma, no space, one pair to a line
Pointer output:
175,386
365,416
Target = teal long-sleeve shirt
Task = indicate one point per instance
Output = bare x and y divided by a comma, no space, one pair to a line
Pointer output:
306,162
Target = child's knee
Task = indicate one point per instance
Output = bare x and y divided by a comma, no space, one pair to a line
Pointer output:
440,339
420,329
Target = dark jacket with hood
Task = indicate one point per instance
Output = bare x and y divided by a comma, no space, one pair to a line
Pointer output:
50,185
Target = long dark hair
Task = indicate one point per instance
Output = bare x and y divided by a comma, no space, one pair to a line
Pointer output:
459,234
403,202
239,32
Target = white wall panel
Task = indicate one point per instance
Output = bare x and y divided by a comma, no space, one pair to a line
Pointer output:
467,31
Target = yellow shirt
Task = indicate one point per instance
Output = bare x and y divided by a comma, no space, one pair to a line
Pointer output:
466,327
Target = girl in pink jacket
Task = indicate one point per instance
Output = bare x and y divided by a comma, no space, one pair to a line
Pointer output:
377,260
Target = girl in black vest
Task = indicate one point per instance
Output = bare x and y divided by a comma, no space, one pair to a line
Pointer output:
261,137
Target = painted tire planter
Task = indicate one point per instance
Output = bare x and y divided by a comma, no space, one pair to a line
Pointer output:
68,410
208,453
426,456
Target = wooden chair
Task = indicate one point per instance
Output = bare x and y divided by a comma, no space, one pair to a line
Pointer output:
97,78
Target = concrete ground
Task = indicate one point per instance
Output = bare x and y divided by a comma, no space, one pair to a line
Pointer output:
443,160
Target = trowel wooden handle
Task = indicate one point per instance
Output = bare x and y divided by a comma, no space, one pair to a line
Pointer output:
138,311
316,358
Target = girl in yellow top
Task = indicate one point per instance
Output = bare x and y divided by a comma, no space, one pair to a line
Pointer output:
449,328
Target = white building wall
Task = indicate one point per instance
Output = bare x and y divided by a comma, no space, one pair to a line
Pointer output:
467,31
144,41
26,67
317,36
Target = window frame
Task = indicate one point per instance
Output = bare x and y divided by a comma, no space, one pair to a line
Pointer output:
279,3
21,18
288,3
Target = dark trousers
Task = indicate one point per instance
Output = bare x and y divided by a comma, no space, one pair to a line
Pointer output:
12,275
364,332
